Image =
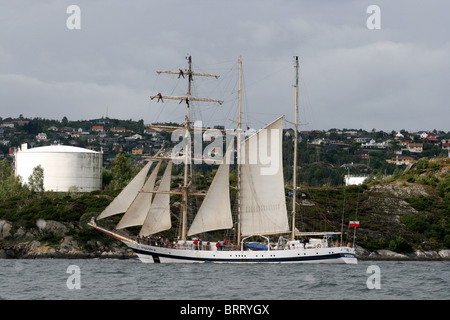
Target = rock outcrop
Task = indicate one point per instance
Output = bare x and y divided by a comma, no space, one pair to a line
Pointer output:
27,243
417,255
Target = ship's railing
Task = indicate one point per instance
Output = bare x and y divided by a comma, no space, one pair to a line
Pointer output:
220,246
188,245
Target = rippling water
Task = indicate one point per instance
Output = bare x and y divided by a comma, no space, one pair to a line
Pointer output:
111,279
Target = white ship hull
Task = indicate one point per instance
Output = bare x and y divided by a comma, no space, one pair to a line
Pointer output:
317,251
154,254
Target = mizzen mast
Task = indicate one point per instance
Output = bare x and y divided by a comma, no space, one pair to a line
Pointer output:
294,178
189,73
239,156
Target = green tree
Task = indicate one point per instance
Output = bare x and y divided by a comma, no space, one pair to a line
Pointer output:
10,184
106,177
33,127
36,180
121,171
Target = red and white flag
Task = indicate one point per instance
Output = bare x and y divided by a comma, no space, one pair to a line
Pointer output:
354,223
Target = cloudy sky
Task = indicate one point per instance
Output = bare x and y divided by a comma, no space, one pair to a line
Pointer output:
351,76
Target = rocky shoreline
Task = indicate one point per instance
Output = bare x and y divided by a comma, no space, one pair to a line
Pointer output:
25,244
388,255
67,250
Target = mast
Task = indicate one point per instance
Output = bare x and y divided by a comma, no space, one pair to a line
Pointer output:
294,178
188,153
187,99
239,156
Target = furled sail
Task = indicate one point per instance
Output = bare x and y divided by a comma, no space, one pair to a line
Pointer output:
215,211
263,205
158,217
138,210
121,203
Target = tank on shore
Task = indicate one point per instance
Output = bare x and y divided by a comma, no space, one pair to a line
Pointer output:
65,167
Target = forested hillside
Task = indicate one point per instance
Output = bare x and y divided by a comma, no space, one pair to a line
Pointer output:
404,212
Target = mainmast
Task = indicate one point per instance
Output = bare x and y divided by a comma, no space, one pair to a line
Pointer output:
187,99
294,178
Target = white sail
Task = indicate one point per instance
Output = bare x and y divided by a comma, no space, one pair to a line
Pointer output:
121,203
138,210
158,217
215,211
263,205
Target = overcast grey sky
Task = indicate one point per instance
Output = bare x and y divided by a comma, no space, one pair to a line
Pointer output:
392,78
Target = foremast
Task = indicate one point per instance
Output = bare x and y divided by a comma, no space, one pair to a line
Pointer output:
188,98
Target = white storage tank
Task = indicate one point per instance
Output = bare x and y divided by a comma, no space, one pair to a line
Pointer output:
64,167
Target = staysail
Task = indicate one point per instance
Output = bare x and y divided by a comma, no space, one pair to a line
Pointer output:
139,208
121,203
215,211
158,217
263,205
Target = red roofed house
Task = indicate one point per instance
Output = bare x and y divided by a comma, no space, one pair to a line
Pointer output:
97,128
431,140
427,135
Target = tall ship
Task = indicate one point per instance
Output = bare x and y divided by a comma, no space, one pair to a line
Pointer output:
264,233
